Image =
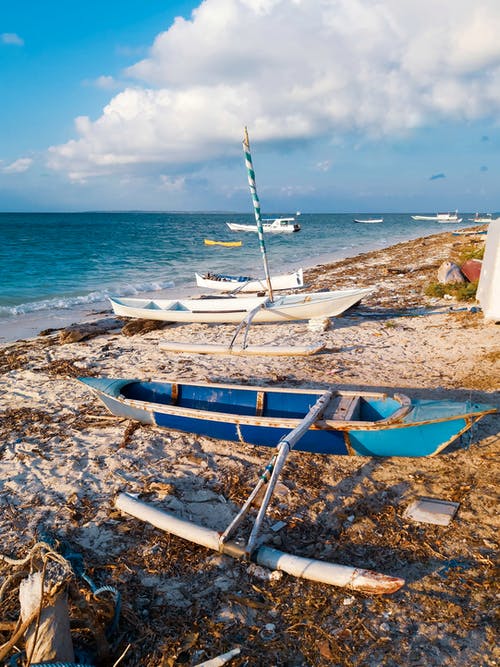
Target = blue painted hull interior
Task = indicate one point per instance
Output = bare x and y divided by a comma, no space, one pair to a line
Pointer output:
242,401
380,426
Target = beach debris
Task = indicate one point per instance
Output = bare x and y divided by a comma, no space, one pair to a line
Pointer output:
44,610
85,330
449,272
432,510
471,269
319,324
141,326
66,368
264,573
278,526
220,659
44,602
44,617
268,632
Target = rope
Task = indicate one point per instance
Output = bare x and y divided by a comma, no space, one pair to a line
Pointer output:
238,433
76,561
14,662
72,564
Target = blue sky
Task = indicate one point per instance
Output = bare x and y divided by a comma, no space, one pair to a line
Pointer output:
351,105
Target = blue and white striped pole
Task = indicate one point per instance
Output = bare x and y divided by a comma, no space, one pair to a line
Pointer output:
256,208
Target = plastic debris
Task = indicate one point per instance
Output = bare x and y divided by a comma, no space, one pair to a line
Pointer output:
432,510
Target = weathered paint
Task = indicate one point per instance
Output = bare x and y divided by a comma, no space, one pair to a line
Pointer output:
231,412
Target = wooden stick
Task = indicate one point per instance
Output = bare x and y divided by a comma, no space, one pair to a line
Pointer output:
50,637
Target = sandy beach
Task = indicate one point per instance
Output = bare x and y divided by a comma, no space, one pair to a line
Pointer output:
64,458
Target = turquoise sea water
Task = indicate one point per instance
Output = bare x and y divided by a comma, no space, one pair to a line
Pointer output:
62,261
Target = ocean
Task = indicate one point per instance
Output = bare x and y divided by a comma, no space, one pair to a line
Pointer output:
57,267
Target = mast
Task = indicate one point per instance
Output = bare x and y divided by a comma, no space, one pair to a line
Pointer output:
256,208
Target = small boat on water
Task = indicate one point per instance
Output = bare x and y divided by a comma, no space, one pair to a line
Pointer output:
368,221
353,423
440,217
270,225
233,309
227,244
483,218
227,283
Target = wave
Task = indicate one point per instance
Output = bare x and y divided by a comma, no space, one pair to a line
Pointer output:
66,303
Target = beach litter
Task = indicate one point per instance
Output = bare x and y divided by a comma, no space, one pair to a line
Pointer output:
432,510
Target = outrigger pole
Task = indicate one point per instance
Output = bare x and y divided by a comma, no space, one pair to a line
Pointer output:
358,579
256,208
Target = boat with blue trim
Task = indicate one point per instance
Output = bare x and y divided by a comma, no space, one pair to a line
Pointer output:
364,423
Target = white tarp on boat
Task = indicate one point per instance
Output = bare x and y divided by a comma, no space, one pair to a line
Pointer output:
488,290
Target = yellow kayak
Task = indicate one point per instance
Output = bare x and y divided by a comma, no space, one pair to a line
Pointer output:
227,244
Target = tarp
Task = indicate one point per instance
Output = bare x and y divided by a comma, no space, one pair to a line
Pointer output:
488,290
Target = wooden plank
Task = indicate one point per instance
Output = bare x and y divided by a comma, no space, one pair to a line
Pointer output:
250,350
342,408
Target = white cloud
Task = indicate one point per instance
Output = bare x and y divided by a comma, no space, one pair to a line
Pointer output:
11,38
104,82
17,167
294,70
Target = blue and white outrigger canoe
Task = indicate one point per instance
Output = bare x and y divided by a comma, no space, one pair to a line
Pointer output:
351,423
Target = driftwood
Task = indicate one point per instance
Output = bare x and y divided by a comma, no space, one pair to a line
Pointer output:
86,330
48,634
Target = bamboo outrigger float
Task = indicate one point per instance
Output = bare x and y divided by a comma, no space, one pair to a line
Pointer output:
339,423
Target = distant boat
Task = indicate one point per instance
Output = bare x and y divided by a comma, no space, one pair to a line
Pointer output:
483,218
227,244
368,221
270,225
226,283
469,232
439,217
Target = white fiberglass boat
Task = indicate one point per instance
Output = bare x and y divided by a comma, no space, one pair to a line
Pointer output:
273,225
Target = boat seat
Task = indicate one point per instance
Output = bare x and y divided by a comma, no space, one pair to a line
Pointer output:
342,408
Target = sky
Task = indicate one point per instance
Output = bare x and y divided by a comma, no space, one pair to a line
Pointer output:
351,105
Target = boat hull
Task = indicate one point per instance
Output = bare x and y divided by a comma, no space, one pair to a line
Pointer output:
279,226
307,306
223,283
384,426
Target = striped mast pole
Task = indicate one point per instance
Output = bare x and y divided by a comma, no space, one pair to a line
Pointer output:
256,208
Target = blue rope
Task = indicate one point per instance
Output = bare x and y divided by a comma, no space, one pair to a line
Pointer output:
76,561
14,662
77,564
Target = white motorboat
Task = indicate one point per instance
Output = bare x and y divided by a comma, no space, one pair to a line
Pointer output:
244,284
272,225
